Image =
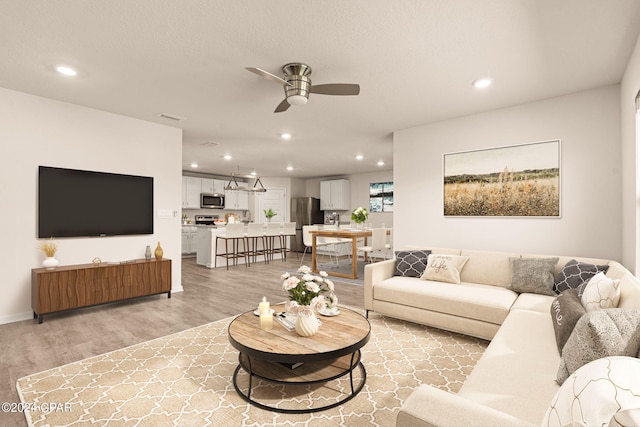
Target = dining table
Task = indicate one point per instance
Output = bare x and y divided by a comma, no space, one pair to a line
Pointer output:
353,234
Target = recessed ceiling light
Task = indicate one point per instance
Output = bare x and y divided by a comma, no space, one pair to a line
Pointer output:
359,157
227,156
481,83
66,70
253,173
289,168
285,136
194,165
380,163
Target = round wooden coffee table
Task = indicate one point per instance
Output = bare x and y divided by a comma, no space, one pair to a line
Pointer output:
332,353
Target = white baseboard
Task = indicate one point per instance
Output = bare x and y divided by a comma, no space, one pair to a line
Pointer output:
16,317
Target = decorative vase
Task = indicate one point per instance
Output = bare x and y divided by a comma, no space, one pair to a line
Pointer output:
147,253
307,325
159,252
50,263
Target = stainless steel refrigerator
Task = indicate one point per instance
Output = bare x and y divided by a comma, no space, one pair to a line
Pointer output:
304,211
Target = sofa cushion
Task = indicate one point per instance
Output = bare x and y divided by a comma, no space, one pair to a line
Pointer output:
566,310
609,382
487,268
444,268
521,357
470,300
600,292
534,302
533,275
600,333
411,263
574,273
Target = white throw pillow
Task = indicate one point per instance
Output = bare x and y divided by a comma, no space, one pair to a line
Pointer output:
593,394
601,292
444,268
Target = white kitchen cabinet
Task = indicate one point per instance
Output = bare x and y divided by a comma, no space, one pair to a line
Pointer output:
191,189
218,186
236,199
206,185
335,195
189,243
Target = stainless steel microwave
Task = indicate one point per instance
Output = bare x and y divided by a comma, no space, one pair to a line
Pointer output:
212,201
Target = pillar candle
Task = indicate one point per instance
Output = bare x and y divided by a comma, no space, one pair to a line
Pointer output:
264,307
266,321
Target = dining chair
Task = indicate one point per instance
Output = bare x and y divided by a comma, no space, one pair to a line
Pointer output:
378,244
255,234
234,233
308,241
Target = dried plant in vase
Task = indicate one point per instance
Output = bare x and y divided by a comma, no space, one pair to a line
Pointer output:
48,247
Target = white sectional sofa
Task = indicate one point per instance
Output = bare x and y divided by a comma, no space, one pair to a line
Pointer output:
514,381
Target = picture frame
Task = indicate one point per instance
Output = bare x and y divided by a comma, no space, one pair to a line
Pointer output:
381,196
512,181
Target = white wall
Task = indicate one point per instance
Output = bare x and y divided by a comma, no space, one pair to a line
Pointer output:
38,131
630,186
587,123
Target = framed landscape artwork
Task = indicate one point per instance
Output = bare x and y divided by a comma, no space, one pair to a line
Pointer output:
381,197
515,181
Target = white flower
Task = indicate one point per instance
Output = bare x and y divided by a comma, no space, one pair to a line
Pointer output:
323,274
290,283
318,303
318,279
286,275
313,287
308,277
304,269
329,284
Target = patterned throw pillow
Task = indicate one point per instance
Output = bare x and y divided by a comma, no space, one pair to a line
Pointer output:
532,275
575,273
600,393
566,310
600,333
444,268
601,292
411,263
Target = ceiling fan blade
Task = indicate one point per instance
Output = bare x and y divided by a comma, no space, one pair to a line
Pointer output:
268,75
283,106
336,89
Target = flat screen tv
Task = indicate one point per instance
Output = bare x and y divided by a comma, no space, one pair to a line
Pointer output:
79,203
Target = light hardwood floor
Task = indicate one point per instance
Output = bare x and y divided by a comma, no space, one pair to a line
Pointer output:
209,295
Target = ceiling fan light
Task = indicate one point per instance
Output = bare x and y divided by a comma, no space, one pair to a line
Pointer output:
297,100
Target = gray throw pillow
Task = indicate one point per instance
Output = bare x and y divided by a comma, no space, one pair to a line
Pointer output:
532,275
575,273
411,263
600,333
566,310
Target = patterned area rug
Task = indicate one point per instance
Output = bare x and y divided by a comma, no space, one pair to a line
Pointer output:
185,379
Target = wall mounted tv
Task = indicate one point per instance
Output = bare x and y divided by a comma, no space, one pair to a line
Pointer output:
79,203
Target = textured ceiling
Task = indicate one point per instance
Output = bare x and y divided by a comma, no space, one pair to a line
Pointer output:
414,61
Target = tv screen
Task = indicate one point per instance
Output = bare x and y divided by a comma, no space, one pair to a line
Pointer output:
78,203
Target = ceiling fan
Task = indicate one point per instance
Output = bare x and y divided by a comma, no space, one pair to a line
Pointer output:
297,85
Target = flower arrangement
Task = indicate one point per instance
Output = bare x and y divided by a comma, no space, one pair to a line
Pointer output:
305,292
49,248
359,215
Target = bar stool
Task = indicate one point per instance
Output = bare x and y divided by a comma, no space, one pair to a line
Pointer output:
235,234
273,230
255,232
288,230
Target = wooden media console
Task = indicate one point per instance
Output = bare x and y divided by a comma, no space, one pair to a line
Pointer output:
76,286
